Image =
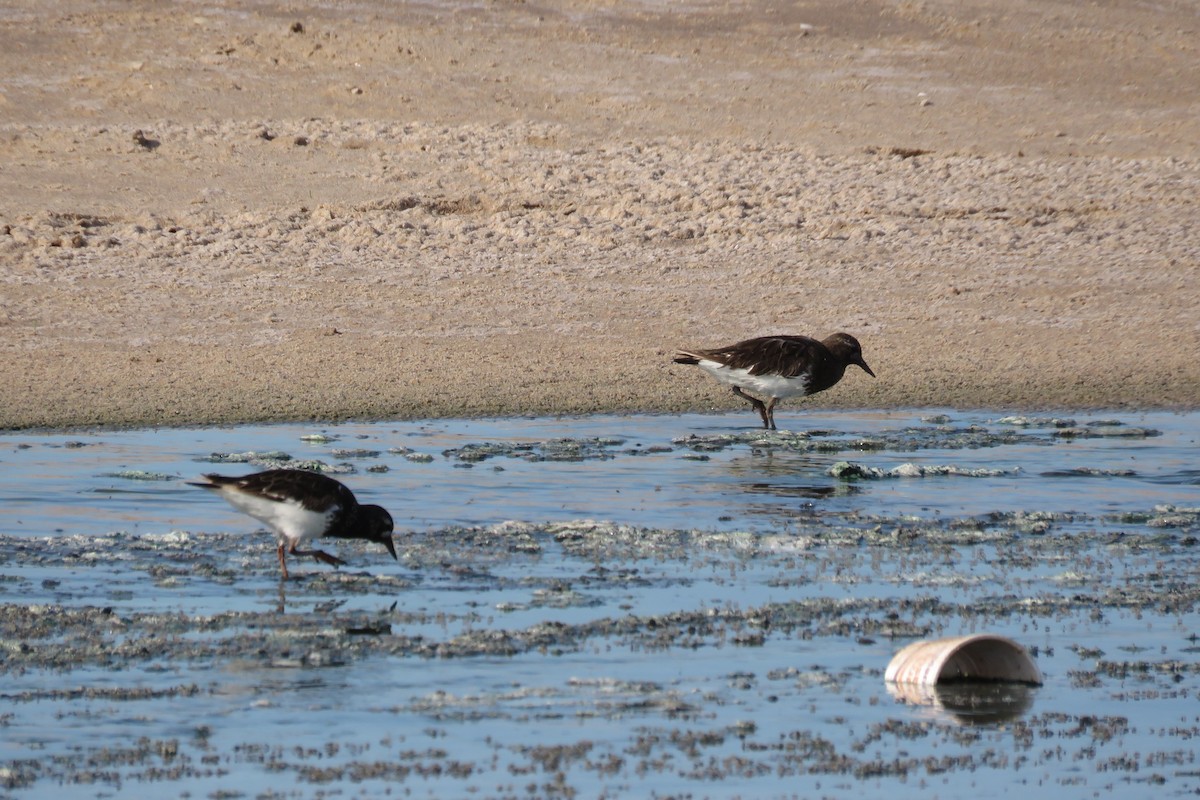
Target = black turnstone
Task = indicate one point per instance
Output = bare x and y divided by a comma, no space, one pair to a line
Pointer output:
779,367
300,506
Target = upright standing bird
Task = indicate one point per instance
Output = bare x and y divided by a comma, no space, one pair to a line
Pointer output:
779,367
301,506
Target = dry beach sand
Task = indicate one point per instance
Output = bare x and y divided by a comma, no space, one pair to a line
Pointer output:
236,211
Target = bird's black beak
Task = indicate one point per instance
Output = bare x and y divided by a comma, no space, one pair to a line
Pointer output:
862,363
387,542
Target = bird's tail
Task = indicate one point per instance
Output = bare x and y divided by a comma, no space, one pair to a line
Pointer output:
215,481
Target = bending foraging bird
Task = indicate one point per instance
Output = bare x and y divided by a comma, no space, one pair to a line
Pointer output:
301,506
779,367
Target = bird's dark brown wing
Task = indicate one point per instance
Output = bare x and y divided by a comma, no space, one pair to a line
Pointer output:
788,356
312,490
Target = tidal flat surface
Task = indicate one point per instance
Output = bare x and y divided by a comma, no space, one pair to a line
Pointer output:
613,606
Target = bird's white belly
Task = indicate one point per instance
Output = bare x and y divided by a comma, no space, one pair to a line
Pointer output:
291,521
766,385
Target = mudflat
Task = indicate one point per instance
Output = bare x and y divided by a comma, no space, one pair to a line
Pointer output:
261,211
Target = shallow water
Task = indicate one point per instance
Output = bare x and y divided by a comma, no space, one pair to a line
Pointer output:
618,605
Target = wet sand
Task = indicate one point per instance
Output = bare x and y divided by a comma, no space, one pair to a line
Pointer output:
236,213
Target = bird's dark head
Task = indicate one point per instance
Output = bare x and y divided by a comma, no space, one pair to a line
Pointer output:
376,525
847,348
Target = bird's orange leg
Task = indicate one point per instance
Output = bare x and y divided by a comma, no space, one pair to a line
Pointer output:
759,406
319,555
771,412
282,562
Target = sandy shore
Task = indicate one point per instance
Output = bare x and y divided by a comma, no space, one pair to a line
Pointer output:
256,211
